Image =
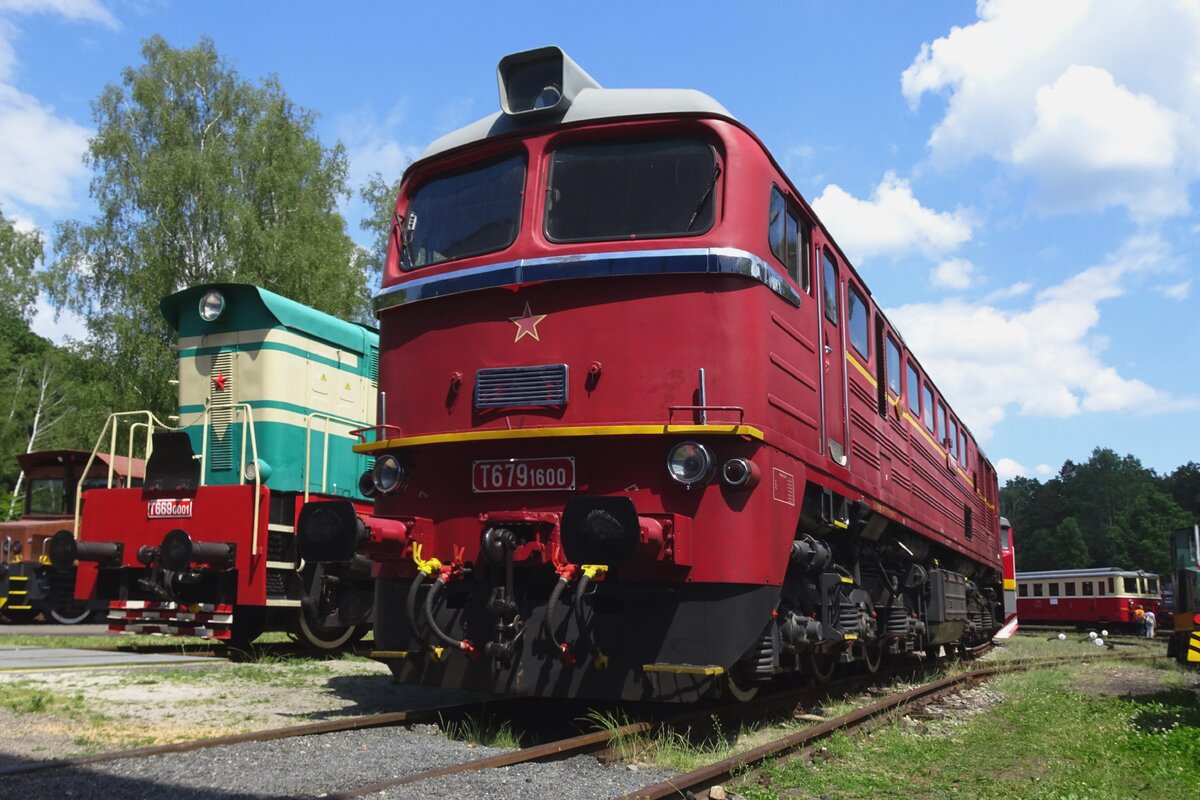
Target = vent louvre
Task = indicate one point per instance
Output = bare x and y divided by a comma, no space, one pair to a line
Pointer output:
505,387
220,411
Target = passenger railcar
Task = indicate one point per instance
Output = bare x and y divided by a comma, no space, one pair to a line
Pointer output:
28,585
269,391
654,436
1103,596
1185,562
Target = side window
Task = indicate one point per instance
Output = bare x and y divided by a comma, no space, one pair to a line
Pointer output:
953,439
927,406
1111,590
1070,587
859,324
1037,590
777,226
1130,585
829,288
789,237
1087,589
914,390
1023,590
941,422
1152,585
893,366
962,455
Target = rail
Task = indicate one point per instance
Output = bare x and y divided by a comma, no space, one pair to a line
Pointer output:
110,431
308,437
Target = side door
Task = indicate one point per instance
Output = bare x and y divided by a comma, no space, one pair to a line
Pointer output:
833,359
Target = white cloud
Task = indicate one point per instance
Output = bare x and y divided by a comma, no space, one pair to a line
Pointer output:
88,10
1016,290
41,152
1178,291
1043,360
57,325
1097,100
953,273
892,223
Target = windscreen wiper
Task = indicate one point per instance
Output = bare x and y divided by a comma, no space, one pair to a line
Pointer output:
704,197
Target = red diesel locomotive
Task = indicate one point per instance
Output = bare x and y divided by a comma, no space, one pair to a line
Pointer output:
653,437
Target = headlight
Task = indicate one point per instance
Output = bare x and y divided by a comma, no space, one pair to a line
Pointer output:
739,473
211,305
689,463
390,474
259,468
366,484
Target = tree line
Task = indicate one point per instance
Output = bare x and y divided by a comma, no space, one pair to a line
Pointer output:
1109,511
199,175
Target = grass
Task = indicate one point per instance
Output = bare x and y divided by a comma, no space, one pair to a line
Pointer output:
1046,740
22,698
484,731
129,641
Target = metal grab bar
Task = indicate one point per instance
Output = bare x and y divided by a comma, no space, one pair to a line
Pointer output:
109,431
741,412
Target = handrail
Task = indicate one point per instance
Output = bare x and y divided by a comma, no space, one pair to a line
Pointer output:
308,429
741,412
361,433
129,457
110,428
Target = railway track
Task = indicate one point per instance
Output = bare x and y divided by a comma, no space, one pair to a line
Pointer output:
767,705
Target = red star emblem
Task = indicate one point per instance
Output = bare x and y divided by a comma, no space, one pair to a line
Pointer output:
527,324
220,380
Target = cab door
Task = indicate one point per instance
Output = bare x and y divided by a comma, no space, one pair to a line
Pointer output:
833,360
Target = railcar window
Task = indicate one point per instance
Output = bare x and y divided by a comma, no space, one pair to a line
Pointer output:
1023,590
1054,590
1152,585
474,211
1111,589
1070,588
630,189
1130,585
893,366
914,389
1087,589
859,324
1100,588
46,496
927,406
941,421
1037,590
962,456
954,438
829,288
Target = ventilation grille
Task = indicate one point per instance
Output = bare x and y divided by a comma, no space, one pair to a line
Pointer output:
373,364
220,411
506,387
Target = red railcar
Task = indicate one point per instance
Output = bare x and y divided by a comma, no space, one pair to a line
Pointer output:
1096,597
654,436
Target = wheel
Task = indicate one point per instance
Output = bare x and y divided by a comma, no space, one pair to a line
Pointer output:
321,637
740,689
71,615
821,666
872,655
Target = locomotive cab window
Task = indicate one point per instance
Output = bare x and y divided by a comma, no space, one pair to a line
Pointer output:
466,213
634,188
45,496
1130,585
789,238
859,324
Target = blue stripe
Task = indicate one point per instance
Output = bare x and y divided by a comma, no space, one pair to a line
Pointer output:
722,261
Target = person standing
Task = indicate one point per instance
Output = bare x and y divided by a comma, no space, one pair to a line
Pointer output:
1139,619
1149,620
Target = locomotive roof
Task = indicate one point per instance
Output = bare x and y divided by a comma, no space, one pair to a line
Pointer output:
1085,573
251,307
121,465
589,104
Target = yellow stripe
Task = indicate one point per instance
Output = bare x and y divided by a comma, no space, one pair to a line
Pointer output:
554,433
1010,585
858,365
389,654
684,669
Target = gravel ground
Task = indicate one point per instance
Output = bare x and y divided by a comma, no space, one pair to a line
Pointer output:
312,766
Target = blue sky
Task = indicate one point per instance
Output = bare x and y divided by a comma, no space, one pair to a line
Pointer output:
1016,181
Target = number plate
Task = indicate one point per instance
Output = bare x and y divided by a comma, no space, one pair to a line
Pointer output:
523,475
169,508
